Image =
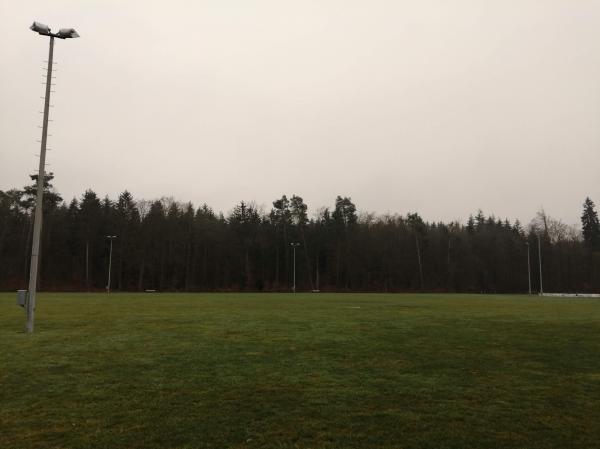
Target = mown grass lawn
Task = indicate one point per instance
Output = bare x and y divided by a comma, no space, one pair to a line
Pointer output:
300,371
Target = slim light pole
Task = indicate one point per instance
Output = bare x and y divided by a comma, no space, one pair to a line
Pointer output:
111,238
294,245
528,267
63,33
540,260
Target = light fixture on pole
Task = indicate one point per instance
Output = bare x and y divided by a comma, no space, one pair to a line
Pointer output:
111,238
63,33
528,267
294,245
540,260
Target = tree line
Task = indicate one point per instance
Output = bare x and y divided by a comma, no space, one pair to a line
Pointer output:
165,245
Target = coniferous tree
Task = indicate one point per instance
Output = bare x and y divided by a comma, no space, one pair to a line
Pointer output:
300,219
471,225
590,224
89,227
168,245
51,197
344,218
280,217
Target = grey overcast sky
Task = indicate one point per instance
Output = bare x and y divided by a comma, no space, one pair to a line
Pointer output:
435,106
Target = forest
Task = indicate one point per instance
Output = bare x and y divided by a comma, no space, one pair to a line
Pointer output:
165,245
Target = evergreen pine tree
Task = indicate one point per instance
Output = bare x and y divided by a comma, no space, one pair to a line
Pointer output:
590,224
480,220
471,225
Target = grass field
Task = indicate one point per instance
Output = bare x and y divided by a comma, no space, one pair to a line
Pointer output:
300,371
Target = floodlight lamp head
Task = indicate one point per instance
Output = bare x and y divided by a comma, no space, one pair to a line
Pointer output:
67,33
40,28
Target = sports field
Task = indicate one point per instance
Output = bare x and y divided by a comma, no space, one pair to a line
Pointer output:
300,371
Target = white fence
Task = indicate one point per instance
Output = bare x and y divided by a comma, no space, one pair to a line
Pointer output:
572,295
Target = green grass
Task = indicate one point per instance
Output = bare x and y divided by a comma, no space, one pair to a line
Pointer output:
303,371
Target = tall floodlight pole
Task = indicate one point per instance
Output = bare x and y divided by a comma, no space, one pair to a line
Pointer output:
528,267
63,33
540,260
294,245
111,238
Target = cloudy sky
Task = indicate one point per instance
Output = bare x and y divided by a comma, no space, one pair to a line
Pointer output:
435,106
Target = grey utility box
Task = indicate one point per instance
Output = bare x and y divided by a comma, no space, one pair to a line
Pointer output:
22,296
